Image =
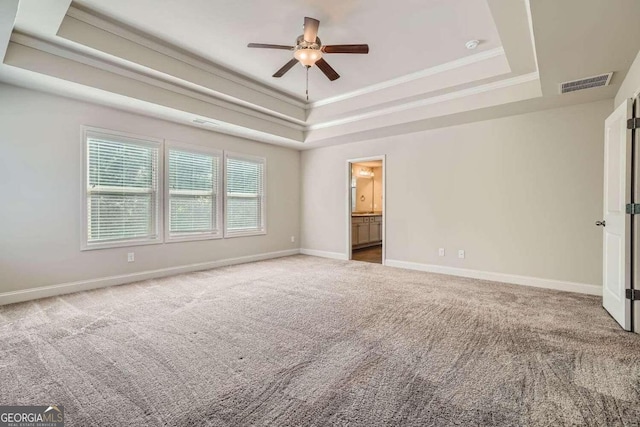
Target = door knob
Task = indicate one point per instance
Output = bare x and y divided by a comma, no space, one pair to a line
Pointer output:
601,223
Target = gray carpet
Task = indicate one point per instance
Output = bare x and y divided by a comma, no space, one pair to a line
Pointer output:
309,341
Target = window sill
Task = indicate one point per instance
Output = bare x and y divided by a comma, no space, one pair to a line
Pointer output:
120,244
192,237
232,234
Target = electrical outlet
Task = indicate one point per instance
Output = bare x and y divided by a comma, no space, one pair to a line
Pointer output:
441,252
293,239
131,257
460,253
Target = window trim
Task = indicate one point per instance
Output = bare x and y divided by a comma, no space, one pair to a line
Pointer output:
125,137
240,156
188,237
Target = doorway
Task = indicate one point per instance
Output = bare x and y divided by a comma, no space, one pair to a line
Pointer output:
366,210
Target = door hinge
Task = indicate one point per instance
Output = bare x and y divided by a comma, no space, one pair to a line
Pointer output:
633,208
633,294
633,123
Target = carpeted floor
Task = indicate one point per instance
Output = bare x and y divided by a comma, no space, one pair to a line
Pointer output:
309,341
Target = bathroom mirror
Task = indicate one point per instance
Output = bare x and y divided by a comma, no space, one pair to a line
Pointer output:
362,189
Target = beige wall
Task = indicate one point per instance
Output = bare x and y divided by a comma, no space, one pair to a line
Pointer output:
40,183
518,194
631,84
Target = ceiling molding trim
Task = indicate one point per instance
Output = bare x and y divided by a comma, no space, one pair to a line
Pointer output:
458,63
195,91
75,54
533,38
160,47
430,101
8,13
31,80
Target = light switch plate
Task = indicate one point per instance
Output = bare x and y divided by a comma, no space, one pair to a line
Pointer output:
460,253
131,257
441,252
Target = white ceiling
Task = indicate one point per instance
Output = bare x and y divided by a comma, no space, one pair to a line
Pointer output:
405,36
86,52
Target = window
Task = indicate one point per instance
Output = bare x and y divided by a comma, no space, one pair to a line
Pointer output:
244,196
122,198
194,208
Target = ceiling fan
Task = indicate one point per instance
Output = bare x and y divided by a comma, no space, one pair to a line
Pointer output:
308,50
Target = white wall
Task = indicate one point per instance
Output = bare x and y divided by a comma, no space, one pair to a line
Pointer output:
40,183
519,194
631,83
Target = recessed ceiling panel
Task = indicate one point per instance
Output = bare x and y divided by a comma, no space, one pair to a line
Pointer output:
404,36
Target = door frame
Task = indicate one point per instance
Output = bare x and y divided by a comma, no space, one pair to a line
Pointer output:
635,219
382,157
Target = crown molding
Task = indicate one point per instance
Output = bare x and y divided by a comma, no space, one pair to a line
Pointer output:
104,62
141,74
430,101
103,23
138,74
447,66
8,13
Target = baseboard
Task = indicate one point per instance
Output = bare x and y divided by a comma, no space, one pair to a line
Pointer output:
324,254
537,282
84,285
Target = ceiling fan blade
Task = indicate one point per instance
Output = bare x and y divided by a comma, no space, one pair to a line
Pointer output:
285,68
346,48
270,46
310,29
327,70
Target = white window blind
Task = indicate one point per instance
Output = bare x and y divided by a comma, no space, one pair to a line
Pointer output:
194,209
245,193
121,190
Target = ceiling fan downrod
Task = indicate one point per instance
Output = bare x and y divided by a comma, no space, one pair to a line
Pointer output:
307,67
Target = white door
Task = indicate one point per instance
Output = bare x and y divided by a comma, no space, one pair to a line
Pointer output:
616,223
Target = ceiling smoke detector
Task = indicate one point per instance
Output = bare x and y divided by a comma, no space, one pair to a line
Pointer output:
586,83
472,44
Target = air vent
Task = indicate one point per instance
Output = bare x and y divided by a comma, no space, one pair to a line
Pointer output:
589,82
205,122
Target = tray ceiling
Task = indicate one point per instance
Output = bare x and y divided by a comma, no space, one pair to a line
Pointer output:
405,36
188,61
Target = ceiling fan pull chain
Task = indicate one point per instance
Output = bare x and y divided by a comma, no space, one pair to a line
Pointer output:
307,83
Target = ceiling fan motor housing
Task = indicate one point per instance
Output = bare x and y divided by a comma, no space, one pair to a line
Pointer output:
301,43
307,53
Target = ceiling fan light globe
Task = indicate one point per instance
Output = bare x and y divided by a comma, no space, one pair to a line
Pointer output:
307,57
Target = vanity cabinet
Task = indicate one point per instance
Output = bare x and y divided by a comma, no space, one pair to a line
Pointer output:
366,230
363,233
375,231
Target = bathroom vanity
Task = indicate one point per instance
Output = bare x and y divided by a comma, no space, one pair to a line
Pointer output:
366,229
